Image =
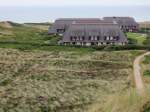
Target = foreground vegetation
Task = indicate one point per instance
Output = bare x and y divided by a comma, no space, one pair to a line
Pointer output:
146,78
64,81
36,75
25,33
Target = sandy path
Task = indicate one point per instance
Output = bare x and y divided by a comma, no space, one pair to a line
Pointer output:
137,73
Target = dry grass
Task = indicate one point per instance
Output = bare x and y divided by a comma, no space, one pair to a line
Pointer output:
129,100
41,27
41,81
146,67
145,24
6,24
126,101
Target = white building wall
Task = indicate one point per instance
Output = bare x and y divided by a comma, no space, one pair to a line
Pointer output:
88,44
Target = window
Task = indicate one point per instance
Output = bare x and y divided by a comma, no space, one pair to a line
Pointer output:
92,38
111,38
71,38
117,37
114,38
75,38
108,38
89,37
78,38
95,38
105,37
60,30
98,38
83,37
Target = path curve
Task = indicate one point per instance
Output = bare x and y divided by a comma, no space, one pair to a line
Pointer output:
137,73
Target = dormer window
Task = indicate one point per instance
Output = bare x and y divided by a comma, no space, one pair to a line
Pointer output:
95,38
108,38
111,38
92,38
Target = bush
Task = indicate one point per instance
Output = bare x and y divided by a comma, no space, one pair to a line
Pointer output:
146,60
147,41
144,30
132,41
147,73
126,47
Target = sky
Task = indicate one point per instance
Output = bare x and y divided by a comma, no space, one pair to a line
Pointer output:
72,2
49,10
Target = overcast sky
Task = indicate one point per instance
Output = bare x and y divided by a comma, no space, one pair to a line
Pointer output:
71,2
49,10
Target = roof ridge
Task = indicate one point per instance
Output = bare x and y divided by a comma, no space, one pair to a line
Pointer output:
106,23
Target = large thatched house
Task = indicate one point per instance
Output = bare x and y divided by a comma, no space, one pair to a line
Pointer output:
88,31
126,24
94,34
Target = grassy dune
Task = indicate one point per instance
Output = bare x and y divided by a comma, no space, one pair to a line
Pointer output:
130,101
69,81
27,33
146,70
39,78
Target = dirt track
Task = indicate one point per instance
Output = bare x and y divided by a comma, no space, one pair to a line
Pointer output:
137,73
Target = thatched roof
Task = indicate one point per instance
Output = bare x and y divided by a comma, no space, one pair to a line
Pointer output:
64,23
122,21
101,30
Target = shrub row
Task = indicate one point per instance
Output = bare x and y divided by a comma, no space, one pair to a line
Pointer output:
126,47
30,46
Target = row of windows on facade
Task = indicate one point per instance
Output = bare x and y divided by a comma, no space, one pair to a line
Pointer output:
128,26
94,43
94,38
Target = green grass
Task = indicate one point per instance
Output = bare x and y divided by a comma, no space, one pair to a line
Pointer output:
147,73
146,60
29,34
137,36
